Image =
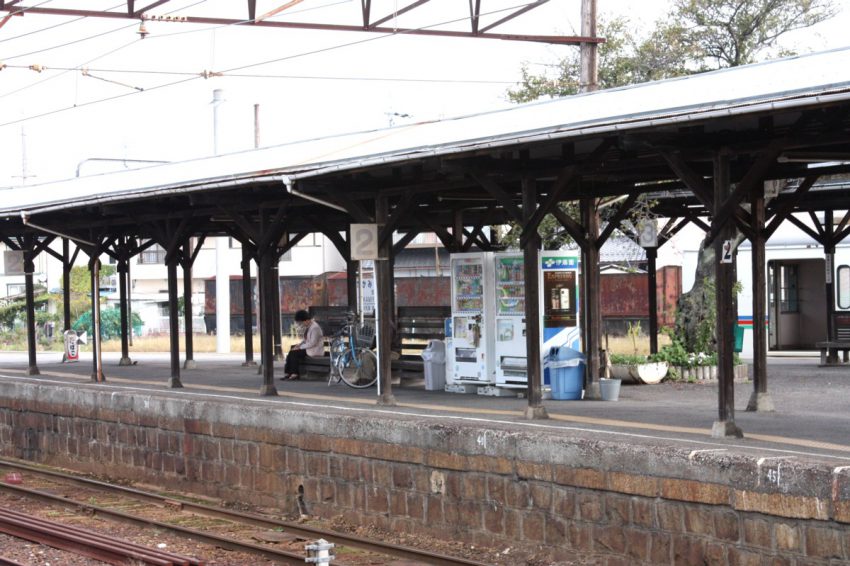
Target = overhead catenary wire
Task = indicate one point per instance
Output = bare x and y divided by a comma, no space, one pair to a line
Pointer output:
248,66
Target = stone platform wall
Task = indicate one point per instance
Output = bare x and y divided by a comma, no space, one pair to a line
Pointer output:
487,485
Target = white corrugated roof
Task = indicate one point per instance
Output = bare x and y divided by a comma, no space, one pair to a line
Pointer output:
796,81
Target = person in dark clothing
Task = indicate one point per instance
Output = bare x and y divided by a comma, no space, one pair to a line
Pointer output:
312,345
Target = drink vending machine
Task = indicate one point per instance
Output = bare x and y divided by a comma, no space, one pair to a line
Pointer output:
511,357
558,291
559,300
470,349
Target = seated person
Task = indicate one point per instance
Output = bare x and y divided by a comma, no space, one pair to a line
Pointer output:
312,345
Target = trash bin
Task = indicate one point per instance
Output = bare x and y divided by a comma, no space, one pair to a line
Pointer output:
434,365
739,338
566,372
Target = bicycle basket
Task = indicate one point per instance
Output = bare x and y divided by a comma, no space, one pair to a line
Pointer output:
365,336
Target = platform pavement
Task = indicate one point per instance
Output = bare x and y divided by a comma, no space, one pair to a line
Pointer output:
811,421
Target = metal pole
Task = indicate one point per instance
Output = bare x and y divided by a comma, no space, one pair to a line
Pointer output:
66,283
122,299
247,308
593,310
96,342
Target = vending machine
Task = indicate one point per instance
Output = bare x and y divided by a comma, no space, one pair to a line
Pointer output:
470,350
511,356
559,300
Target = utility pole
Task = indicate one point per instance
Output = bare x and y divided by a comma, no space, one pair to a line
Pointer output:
589,54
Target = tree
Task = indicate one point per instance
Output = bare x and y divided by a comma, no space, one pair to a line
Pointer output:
81,289
697,35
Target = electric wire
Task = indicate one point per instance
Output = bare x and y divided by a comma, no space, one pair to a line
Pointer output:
54,26
248,66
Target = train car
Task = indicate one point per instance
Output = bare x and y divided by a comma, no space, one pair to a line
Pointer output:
796,274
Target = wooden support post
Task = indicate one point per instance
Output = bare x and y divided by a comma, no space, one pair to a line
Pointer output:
531,259
187,308
760,399
383,280
652,298
173,325
725,301
66,284
590,219
274,287
266,272
97,366
29,270
122,306
247,308
829,257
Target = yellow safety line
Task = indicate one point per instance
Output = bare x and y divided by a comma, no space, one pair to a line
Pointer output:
478,411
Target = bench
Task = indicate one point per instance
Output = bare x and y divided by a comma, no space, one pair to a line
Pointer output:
331,320
416,325
829,351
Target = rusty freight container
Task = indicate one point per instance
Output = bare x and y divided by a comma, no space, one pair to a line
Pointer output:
625,298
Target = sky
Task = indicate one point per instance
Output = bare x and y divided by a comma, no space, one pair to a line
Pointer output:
56,122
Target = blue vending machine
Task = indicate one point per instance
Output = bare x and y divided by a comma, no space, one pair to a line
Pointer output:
559,302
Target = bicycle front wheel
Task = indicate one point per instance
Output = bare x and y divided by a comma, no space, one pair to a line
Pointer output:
358,370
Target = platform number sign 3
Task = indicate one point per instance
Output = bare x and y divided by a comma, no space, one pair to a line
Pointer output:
364,241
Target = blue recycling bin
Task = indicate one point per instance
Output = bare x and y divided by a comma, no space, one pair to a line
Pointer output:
566,373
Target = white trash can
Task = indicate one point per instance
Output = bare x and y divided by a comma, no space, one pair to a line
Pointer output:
434,365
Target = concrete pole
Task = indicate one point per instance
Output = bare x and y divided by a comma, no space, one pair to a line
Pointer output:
222,247
589,77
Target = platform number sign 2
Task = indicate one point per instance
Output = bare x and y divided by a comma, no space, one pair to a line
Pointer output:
364,241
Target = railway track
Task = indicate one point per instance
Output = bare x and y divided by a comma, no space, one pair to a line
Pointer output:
87,490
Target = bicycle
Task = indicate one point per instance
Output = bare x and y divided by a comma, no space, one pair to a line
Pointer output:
352,359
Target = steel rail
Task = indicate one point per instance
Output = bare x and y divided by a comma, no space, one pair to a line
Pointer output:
9,562
199,536
257,520
93,545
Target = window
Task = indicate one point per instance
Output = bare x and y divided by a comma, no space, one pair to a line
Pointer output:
153,255
788,293
15,289
844,286
310,240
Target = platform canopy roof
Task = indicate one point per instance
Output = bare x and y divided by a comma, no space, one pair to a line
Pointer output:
610,142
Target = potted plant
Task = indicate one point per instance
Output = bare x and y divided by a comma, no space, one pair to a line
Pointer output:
636,367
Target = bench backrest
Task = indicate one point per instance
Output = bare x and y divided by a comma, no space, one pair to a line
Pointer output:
417,325
330,319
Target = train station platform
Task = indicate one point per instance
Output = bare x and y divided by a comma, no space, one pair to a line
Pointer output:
811,417
636,481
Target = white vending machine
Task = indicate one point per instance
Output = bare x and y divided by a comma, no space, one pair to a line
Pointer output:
511,356
470,351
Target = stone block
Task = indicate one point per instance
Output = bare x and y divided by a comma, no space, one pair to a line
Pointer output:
518,495
824,543
434,510
741,557
513,524
580,477
699,520
377,500
609,539
474,486
633,484
398,503
758,532
382,473
643,512
617,508
688,549
556,532
469,514
534,526
637,544
533,471
781,505
670,516
541,496
694,491
563,502
581,536
493,516
402,476
415,506
590,506
715,554
496,490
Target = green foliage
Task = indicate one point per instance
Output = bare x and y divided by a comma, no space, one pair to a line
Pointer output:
627,359
633,332
81,289
110,323
16,312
